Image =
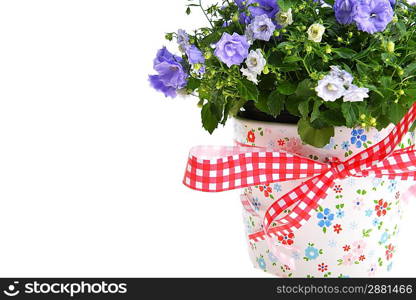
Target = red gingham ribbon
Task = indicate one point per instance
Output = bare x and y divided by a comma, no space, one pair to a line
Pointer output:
216,169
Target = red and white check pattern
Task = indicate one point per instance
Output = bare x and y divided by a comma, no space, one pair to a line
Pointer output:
216,169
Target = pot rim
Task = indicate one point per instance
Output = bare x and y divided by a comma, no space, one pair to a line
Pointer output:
238,118
295,125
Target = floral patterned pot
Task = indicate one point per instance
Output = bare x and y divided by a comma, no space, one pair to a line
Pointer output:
352,234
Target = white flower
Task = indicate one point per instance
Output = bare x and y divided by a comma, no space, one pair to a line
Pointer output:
255,61
255,65
355,94
284,18
411,2
346,77
250,75
330,88
315,32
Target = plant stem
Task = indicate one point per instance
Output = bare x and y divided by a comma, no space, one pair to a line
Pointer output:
205,14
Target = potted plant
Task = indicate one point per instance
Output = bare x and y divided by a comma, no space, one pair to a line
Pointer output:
324,80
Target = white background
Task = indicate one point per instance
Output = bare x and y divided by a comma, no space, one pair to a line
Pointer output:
91,159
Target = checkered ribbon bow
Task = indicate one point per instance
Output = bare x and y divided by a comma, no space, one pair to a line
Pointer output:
216,169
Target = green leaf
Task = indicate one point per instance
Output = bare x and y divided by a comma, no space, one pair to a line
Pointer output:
401,27
386,82
210,116
351,113
248,90
396,113
211,38
344,52
292,105
261,104
276,103
286,88
333,117
305,89
284,5
411,92
235,106
315,137
410,69
315,111
304,108
193,83
291,59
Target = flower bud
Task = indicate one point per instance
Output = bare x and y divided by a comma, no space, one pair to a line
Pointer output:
208,55
235,17
339,39
363,116
390,46
328,49
266,70
400,72
350,34
308,48
401,92
276,33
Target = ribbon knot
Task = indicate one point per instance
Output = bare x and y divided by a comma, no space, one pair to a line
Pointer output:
339,168
216,169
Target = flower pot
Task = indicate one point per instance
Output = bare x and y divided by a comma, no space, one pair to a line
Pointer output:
353,233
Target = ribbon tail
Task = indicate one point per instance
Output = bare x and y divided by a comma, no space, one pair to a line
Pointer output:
401,164
217,169
305,198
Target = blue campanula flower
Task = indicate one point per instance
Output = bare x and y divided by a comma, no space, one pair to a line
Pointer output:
195,55
373,15
345,11
171,74
257,8
232,49
183,40
261,28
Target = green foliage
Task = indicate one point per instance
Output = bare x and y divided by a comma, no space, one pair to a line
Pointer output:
295,64
313,136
